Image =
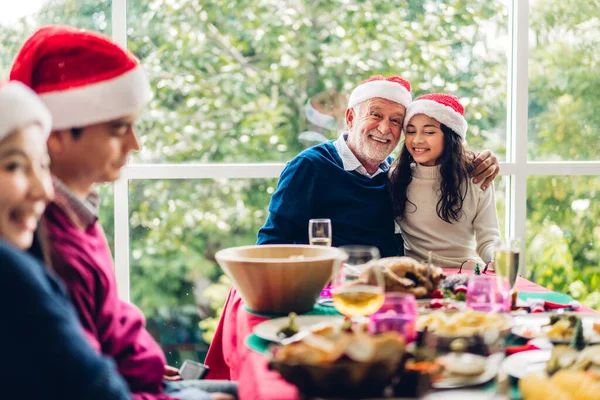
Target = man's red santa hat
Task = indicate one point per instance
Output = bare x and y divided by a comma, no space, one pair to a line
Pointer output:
83,77
393,88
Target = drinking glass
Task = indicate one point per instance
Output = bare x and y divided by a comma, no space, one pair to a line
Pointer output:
358,290
487,293
398,313
506,260
319,232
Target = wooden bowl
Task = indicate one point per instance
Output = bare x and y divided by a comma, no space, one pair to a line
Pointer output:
345,380
279,279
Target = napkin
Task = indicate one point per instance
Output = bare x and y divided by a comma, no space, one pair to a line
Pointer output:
536,305
549,305
517,349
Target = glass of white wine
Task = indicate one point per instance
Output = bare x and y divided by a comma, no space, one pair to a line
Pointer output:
358,290
319,232
506,260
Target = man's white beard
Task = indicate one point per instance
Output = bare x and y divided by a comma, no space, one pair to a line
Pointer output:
375,151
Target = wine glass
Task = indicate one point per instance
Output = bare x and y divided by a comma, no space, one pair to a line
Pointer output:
358,290
319,232
488,294
506,260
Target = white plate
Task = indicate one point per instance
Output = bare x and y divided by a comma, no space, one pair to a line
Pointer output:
530,326
268,330
490,372
527,362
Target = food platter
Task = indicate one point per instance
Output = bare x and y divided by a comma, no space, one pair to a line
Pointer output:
531,326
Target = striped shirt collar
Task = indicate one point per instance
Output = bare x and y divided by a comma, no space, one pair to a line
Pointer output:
83,212
351,163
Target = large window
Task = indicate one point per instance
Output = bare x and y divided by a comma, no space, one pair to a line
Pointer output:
240,88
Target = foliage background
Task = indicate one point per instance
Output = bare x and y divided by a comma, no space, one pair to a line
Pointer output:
232,79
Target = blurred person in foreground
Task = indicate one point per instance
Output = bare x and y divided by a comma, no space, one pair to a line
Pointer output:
45,353
95,91
346,179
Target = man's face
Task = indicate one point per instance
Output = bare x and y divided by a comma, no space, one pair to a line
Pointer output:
99,153
375,128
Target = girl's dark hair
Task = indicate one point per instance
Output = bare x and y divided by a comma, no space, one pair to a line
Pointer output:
454,169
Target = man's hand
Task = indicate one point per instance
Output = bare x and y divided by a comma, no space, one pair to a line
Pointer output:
171,374
221,396
485,166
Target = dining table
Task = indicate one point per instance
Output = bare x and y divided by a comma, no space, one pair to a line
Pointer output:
234,353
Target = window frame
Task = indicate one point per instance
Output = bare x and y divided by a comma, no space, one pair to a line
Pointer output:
517,167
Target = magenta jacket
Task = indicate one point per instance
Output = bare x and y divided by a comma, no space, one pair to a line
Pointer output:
113,327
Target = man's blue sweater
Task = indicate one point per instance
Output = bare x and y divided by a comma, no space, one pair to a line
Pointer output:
44,352
315,185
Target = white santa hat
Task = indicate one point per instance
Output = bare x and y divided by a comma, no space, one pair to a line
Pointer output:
19,107
394,88
444,108
83,77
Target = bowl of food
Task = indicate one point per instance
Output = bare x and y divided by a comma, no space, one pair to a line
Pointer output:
473,331
333,362
279,279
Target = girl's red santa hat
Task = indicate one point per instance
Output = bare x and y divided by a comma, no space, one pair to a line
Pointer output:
83,77
19,107
444,108
393,88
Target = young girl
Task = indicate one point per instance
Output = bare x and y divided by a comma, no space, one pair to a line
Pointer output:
436,204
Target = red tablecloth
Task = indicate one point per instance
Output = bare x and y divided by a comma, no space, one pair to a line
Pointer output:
229,357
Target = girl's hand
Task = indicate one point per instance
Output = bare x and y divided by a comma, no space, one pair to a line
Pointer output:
486,168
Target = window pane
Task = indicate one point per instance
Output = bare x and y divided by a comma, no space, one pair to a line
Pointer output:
259,82
564,123
176,228
19,19
563,235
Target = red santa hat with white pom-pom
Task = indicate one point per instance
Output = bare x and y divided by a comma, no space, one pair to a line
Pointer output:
83,77
394,89
19,107
444,108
